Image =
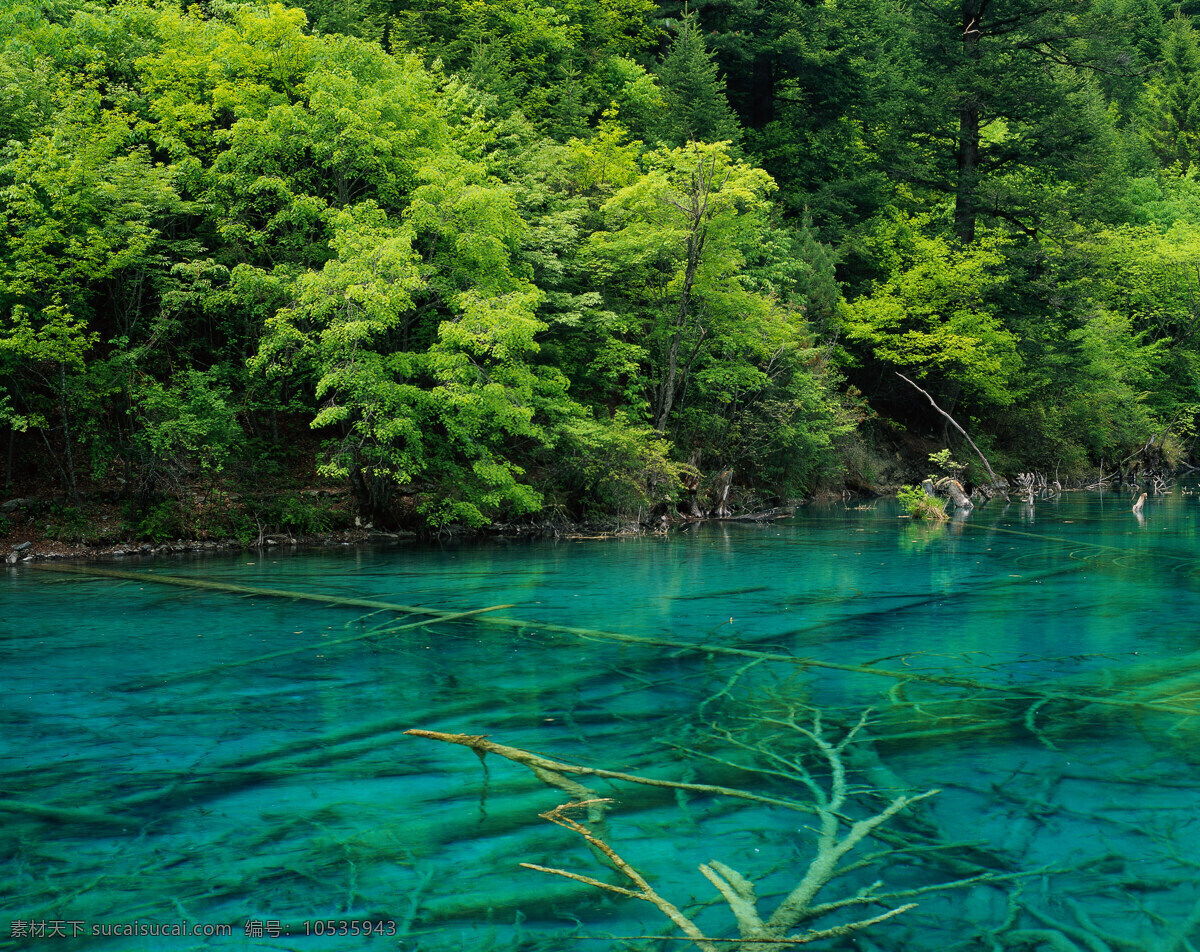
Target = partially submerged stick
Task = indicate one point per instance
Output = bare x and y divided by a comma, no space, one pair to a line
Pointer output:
954,423
593,633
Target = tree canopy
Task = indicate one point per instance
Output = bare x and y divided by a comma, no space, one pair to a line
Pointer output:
506,259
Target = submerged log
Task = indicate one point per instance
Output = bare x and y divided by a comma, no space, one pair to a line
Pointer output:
67,815
1032,692
313,646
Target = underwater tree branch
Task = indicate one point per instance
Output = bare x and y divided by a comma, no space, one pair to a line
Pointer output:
644,892
545,768
837,835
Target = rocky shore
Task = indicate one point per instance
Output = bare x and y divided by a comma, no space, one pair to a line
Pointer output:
26,537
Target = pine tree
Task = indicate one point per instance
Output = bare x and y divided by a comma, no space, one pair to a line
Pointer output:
697,109
1171,107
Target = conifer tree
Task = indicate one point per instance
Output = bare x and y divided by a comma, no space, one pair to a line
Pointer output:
1171,108
697,109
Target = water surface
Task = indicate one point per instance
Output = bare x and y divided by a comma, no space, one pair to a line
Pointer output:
168,756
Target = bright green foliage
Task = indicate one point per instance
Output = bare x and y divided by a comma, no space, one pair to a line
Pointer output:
442,416
504,255
1150,276
936,315
618,467
945,463
725,363
1165,198
1106,407
1142,344
44,373
918,504
560,64
184,429
676,236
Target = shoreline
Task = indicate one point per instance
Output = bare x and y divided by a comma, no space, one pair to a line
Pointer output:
27,541
25,544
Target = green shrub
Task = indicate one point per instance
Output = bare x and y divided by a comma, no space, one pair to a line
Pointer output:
302,516
917,504
160,522
66,524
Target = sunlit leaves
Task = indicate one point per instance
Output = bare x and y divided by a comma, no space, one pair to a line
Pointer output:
937,314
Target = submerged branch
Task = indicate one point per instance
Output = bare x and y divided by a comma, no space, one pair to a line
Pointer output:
1031,693
837,835
316,646
543,767
66,815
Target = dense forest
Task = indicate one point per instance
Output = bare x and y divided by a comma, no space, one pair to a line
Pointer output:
485,261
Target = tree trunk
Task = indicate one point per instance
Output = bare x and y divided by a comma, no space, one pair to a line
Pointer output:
68,436
969,113
722,510
958,496
666,395
697,212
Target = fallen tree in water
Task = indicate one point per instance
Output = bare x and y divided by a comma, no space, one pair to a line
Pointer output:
807,757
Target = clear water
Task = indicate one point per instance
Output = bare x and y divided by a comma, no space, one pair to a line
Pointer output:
154,773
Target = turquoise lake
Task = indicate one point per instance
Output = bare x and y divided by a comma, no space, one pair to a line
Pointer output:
230,760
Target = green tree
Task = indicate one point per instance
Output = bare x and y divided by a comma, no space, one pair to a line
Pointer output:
44,361
436,419
696,107
1007,95
937,315
703,330
1170,111
675,238
560,64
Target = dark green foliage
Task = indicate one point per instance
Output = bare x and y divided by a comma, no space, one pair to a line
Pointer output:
693,91
161,522
1169,114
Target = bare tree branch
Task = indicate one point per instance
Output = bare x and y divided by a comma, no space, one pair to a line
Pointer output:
991,472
